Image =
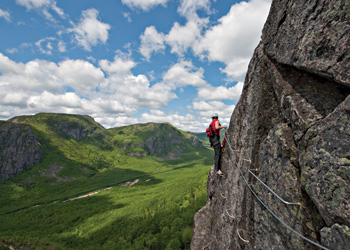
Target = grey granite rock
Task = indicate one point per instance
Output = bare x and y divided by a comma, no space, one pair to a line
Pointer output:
290,129
19,149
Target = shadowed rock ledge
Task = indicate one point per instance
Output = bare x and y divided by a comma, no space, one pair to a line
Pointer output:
292,123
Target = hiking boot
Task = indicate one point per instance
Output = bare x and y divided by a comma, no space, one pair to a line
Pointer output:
219,172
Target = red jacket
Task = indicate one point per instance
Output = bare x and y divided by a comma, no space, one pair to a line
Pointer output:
217,131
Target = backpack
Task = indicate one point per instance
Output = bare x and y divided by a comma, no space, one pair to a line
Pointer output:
210,131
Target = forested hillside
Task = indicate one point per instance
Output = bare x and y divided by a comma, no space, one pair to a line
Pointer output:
133,187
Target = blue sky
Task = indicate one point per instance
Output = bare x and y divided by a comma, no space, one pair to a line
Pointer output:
129,61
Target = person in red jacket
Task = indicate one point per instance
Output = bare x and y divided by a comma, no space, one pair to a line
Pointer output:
215,141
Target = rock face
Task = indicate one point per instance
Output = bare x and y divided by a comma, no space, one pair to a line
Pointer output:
160,139
77,131
290,129
19,149
170,141
311,35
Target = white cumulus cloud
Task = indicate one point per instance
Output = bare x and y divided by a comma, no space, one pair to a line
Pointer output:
186,122
19,81
44,6
61,46
188,8
220,93
151,42
121,66
112,122
14,98
41,75
81,75
205,109
182,74
90,31
45,45
181,38
135,90
32,4
5,14
47,100
144,5
7,66
233,40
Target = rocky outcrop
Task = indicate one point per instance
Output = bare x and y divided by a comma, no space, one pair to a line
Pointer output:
52,172
157,144
19,149
77,131
311,35
290,129
160,139
170,141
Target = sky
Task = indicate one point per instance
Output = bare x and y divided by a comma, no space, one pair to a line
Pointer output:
127,61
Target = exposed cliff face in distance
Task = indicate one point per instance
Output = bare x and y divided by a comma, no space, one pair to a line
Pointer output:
75,146
19,149
161,140
69,125
291,129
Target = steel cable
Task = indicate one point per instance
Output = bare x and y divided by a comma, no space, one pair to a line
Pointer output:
285,202
274,215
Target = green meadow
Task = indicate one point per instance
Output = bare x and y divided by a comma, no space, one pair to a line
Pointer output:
41,208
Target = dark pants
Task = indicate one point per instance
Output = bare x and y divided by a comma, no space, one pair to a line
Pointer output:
215,142
217,150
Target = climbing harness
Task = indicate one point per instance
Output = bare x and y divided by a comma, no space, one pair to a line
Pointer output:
262,203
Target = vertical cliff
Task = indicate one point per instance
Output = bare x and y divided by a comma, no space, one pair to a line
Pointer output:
19,149
291,130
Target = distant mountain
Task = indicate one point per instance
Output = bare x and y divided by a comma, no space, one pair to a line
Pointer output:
69,183
161,140
203,137
76,126
60,141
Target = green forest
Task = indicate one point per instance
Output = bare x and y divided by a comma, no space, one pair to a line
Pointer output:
102,198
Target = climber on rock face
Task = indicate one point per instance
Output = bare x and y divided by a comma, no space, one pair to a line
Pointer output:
215,141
